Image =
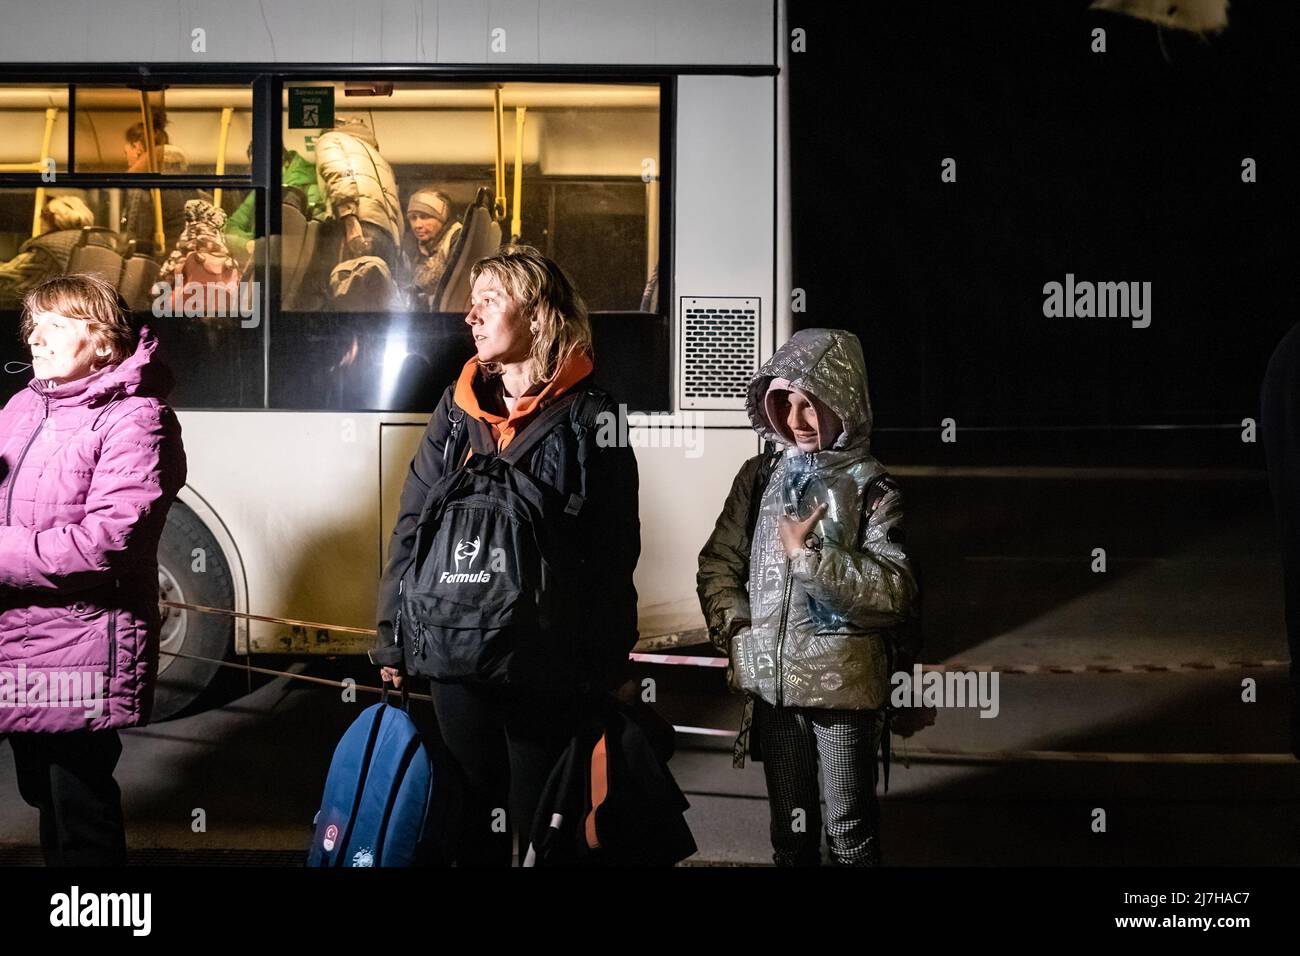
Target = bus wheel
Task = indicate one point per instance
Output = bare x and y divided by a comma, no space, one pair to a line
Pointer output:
192,569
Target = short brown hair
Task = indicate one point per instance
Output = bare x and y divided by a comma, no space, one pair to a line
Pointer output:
544,295
91,299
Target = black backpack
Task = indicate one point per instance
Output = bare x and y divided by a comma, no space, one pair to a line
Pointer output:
611,799
492,591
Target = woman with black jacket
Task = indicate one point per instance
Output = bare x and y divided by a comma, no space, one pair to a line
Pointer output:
532,341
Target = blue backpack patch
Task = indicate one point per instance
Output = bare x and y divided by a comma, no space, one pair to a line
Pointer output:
375,811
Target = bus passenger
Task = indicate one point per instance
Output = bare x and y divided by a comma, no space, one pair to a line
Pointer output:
360,191
46,255
532,341
805,583
90,462
241,225
428,245
138,219
200,268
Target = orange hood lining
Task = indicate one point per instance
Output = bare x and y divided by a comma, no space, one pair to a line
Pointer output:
506,427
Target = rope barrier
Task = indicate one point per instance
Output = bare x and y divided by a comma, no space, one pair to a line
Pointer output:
938,755
906,755
1134,668
644,648
270,620
270,671
686,659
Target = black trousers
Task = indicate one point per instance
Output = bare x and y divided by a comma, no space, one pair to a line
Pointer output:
68,777
502,745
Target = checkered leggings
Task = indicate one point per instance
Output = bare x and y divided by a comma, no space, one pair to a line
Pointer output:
845,742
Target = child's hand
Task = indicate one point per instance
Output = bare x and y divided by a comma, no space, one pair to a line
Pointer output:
795,532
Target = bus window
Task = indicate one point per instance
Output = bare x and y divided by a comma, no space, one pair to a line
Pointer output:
34,120
196,130
198,301
413,184
597,230
400,168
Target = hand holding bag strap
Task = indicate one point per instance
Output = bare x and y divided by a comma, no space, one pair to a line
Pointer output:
405,693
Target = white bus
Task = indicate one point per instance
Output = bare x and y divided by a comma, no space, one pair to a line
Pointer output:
642,146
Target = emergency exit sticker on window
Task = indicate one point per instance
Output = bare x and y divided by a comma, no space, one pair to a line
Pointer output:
311,107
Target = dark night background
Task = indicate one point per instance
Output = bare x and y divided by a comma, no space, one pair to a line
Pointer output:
1115,166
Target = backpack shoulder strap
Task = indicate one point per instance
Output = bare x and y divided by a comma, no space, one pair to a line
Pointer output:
876,489
761,478
588,407
537,429
583,409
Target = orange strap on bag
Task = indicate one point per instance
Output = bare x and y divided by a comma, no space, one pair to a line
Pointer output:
599,789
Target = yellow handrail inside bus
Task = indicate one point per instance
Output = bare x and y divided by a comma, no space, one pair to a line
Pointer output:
499,202
50,114
652,227
160,238
516,225
37,167
226,113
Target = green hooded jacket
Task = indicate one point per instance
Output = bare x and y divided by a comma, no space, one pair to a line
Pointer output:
242,224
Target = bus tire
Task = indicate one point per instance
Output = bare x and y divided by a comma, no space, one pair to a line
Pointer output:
192,569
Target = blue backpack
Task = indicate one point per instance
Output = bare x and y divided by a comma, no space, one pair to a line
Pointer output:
375,811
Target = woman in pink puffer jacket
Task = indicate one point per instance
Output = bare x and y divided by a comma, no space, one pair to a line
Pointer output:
90,462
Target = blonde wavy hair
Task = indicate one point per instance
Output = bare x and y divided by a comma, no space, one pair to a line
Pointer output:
545,297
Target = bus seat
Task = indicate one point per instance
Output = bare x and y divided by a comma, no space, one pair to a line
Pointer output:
286,249
9,244
92,256
293,285
138,277
479,237
103,236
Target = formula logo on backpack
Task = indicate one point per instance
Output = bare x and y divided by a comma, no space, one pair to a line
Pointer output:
466,549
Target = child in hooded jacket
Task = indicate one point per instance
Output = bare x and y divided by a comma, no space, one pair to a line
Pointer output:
806,585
